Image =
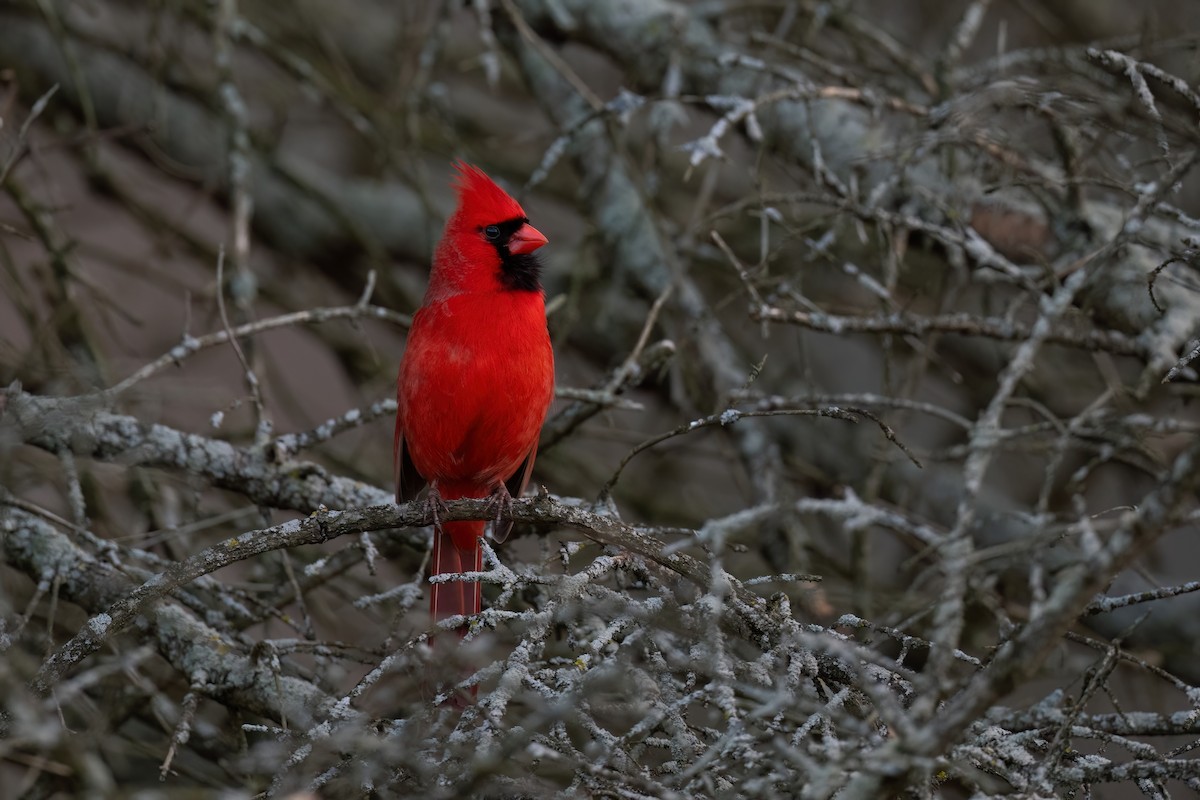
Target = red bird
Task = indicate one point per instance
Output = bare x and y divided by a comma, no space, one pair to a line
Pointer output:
477,377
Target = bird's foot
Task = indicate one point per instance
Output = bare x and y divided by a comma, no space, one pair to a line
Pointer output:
501,501
435,506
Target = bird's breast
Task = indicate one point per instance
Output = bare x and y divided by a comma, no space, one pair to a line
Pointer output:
475,385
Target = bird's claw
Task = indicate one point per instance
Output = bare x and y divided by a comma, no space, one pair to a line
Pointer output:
501,500
435,506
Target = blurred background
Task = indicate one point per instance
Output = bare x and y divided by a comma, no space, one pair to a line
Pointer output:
872,209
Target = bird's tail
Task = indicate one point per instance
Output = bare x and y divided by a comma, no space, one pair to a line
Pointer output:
456,549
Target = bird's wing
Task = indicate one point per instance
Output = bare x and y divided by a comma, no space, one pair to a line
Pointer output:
408,481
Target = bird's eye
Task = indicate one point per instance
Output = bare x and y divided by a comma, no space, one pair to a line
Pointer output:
491,232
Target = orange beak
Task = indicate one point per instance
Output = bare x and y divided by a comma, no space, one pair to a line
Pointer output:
526,239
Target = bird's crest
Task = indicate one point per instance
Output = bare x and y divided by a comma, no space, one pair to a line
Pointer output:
479,195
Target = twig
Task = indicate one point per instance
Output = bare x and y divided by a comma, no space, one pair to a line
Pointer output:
1095,340
313,316
731,415
20,147
1103,605
251,377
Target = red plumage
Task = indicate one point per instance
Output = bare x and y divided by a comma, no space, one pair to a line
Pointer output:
477,376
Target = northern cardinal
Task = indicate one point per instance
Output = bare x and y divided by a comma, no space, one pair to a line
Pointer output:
477,377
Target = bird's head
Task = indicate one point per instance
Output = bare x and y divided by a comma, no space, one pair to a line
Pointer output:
488,243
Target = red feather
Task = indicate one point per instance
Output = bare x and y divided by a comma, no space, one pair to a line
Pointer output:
477,376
